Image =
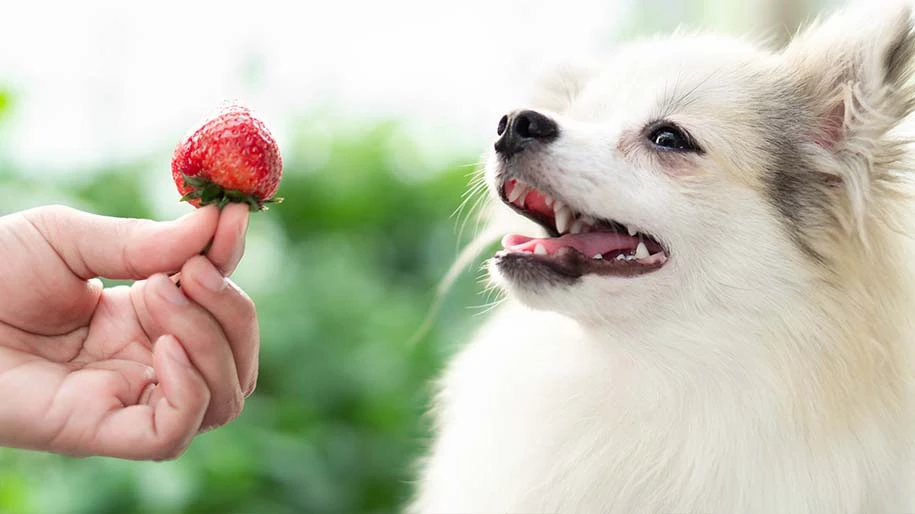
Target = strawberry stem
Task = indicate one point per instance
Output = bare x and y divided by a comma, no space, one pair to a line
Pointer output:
208,192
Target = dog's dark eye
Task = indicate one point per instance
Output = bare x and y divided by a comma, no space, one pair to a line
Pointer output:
670,137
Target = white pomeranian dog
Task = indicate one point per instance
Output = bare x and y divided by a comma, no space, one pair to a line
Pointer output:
715,310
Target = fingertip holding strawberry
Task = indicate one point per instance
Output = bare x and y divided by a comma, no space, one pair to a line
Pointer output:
231,158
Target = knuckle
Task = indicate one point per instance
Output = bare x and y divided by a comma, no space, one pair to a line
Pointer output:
232,408
55,211
246,305
224,413
47,216
125,230
244,314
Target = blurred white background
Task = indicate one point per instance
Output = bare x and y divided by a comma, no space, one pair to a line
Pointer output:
97,81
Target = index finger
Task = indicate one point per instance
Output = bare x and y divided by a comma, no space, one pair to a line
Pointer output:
228,244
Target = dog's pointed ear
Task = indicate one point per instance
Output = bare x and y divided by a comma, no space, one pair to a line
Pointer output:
855,69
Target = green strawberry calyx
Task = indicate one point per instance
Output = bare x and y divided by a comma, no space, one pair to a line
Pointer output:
208,192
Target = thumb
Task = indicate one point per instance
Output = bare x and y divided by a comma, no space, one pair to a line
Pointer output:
123,248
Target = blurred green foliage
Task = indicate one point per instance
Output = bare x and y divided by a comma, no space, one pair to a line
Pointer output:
343,274
4,102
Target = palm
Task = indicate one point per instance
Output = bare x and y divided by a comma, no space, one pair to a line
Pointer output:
77,361
104,360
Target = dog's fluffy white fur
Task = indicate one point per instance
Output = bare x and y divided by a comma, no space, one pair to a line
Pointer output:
767,366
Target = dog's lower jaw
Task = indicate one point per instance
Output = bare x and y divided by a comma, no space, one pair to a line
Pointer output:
539,414
631,299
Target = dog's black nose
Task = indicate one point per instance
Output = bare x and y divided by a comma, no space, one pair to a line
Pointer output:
519,129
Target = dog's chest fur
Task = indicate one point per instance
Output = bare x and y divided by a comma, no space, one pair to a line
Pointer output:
537,416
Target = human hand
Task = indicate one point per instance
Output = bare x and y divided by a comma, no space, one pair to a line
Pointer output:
134,371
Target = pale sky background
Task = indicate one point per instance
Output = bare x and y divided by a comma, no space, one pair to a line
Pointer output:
98,81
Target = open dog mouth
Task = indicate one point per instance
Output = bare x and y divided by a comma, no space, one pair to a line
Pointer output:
579,243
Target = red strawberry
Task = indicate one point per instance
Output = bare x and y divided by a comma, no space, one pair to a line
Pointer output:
231,157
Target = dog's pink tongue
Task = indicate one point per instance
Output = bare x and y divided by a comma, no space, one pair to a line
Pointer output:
588,243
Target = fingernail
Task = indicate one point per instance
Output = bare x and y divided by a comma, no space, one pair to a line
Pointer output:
212,279
177,353
170,292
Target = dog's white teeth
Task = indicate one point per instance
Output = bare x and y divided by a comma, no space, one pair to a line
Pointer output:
598,257
558,205
621,257
563,218
632,231
540,250
577,227
519,191
641,251
657,258
548,200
